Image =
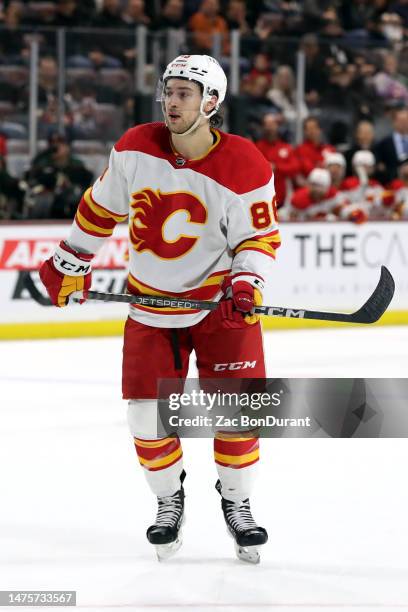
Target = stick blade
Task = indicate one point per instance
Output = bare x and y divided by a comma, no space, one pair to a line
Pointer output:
379,300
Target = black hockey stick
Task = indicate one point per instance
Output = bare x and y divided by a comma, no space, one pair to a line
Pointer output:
370,312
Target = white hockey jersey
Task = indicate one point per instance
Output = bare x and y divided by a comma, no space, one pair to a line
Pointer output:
191,222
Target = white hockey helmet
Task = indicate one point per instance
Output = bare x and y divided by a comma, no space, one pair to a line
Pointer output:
334,158
319,177
363,158
203,69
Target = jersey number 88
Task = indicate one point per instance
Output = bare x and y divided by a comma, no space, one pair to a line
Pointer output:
262,216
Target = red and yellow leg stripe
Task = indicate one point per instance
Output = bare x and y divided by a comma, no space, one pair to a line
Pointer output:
235,452
158,454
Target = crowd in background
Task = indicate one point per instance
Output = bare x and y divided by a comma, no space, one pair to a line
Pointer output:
352,163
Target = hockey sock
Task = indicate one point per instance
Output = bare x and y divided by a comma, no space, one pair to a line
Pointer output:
162,463
236,460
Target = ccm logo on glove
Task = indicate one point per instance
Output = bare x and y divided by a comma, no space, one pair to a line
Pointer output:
66,272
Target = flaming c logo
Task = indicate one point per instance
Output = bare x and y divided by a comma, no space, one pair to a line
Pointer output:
152,210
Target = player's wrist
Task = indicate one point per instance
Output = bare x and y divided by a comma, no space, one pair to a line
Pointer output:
254,280
68,261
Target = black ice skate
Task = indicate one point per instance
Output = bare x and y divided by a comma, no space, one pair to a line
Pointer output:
246,533
165,534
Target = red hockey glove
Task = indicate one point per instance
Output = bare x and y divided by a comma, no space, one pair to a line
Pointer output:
67,271
241,297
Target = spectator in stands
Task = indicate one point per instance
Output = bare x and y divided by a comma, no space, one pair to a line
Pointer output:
47,78
236,16
268,28
135,13
283,94
280,154
84,122
393,147
401,8
172,16
335,163
68,14
261,66
387,82
331,31
12,41
312,151
344,84
56,181
363,141
256,104
391,27
110,15
207,22
363,94
316,75
316,11
11,195
356,14
47,94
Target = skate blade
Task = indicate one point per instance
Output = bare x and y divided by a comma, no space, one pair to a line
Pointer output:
248,554
165,551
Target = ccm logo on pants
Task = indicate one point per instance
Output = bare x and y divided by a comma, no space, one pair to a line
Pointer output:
237,365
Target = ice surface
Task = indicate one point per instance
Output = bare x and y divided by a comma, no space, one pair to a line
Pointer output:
75,507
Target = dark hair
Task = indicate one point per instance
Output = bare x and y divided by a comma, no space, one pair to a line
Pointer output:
311,118
217,120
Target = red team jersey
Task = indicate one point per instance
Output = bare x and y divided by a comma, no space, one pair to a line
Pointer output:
307,207
311,155
191,222
285,163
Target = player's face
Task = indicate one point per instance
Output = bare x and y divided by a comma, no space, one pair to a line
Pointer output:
182,100
336,172
317,191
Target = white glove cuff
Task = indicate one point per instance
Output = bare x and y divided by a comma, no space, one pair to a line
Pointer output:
252,279
68,263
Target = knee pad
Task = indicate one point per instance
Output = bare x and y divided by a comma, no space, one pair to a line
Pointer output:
144,419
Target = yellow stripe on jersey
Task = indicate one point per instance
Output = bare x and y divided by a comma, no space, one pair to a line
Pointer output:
91,227
99,210
261,243
214,280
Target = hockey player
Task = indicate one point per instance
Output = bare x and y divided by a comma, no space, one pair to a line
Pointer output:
317,200
365,195
281,156
202,225
335,163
